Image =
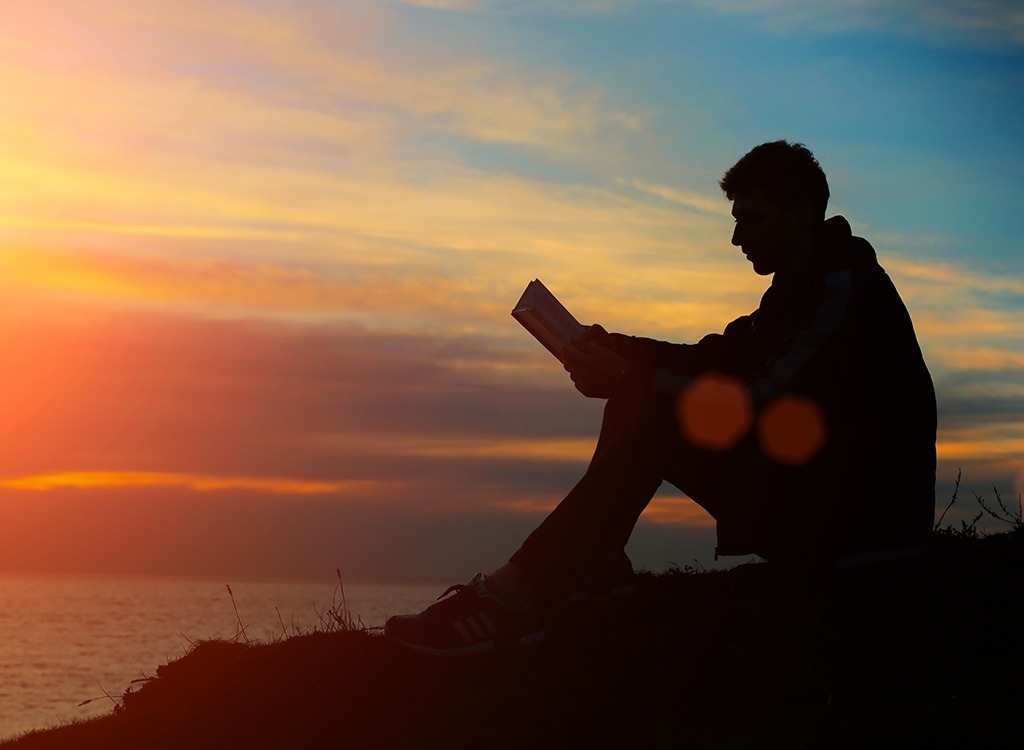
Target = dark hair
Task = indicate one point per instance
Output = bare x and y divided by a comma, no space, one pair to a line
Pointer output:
785,172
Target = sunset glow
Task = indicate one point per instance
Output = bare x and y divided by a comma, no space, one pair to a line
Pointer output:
262,255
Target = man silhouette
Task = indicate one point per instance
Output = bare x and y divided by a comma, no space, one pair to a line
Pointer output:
806,428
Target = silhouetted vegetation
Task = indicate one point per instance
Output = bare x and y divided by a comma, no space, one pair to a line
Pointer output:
917,653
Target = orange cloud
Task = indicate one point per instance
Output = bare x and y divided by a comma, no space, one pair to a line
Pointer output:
939,277
995,448
981,358
149,395
551,449
681,285
985,447
215,286
119,151
663,509
944,321
120,147
677,510
274,485
528,504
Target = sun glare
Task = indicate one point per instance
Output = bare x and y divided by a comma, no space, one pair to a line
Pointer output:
715,411
791,430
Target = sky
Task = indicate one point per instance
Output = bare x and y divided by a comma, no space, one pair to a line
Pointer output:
257,258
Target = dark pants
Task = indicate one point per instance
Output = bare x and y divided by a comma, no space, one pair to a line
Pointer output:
639,446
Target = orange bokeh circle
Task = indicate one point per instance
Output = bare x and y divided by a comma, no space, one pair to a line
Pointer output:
715,411
792,430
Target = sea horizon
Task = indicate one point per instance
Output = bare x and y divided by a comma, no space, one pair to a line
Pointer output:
76,641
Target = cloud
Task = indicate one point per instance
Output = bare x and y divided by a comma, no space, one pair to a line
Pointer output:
465,243
575,450
235,160
944,277
965,315
218,286
983,359
1004,450
695,201
186,75
113,479
242,534
444,4
152,397
243,424
1001,19
997,21
665,508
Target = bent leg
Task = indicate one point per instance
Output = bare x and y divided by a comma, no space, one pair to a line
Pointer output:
639,445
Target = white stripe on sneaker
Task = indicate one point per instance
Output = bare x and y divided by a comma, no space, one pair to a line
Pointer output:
471,621
488,623
461,630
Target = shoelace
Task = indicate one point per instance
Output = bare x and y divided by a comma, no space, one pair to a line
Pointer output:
458,588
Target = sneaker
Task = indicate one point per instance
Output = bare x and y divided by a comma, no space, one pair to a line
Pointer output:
470,622
611,580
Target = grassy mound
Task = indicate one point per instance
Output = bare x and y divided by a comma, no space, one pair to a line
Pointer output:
922,653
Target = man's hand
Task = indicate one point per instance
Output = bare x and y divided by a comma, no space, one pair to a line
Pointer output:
595,368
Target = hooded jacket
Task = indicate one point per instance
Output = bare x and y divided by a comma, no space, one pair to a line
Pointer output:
833,341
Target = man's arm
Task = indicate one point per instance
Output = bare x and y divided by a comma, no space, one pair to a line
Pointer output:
600,362
715,351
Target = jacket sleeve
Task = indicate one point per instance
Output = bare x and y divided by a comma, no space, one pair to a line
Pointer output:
667,366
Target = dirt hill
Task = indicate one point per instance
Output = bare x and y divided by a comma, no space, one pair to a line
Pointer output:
923,653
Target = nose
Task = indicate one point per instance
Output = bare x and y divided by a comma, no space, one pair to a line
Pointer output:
737,240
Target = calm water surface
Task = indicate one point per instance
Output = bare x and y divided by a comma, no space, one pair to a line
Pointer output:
66,640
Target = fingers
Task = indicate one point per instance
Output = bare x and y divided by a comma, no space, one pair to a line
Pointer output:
583,385
592,334
579,358
579,366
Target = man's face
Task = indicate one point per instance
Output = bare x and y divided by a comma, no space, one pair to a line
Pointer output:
772,239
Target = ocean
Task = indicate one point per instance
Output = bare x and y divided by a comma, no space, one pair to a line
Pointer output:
71,640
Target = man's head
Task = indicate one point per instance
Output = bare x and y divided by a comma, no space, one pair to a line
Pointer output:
779,194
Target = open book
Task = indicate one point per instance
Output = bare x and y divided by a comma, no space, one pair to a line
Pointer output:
544,316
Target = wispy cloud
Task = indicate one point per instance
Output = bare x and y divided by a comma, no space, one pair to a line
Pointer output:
696,201
360,237
983,359
572,449
945,20
288,72
201,483
663,509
